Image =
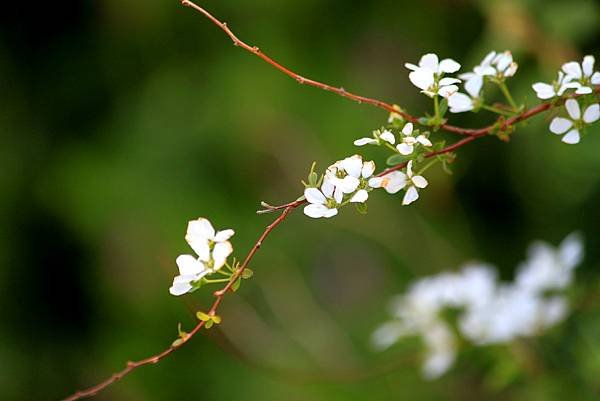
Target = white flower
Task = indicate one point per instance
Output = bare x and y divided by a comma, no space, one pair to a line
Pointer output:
324,202
461,102
441,350
583,73
557,88
560,125
548,268
350,176
378,136
499,65
406,147
397,180
428,75
212,249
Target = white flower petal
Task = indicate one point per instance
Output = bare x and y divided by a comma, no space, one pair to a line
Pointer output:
422,78
338,195
201,228
560,125
595,78
592,113
411,195
473,85
313,195
394,182
503,61
409,172
388,137
459,103
448,81
404,148
360,196
572,137
543,91
220,253
448,65
572,69
352,165
446,91
224,235
423,140
327,188
411,66
511,70
485,70
365,141
419,181
200,246
368,169
349,183
583,90
315,211
188,265
408,129
376,182
330,213
430,61
180,287
588,65
573,109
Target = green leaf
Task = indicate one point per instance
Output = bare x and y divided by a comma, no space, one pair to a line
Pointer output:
395,159
177,342
208,324
361,208
443,107
313,178
247,273
236,285
203,316
216,319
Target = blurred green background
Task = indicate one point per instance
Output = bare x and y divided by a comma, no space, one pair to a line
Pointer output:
121,120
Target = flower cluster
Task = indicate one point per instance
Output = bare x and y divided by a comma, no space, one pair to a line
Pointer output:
429,75
345,181
490,312
581,78
495,67
212,249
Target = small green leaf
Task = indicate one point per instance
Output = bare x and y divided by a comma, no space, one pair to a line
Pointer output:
361,208
208,324
247,273
203,316
216,319
395,159
236,285
443,107
177,342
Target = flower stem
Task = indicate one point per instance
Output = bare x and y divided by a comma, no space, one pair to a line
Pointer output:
431,163
497,110
392,148
436,109
508,96
218,280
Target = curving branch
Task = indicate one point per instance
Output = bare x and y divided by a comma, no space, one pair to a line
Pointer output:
470,134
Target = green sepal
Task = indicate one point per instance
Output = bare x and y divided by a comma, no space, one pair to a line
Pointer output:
361,208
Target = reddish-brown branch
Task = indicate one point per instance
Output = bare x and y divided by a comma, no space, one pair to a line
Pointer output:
471,135
132,365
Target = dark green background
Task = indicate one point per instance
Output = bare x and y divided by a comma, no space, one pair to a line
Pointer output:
120,120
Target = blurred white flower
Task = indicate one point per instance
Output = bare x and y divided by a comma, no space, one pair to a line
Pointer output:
409,141
428,75
212,248
572,125
397,180
498,65
557,88
490,312
583,73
